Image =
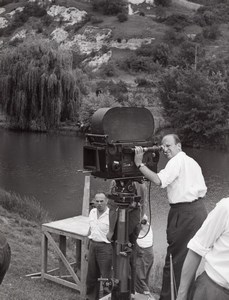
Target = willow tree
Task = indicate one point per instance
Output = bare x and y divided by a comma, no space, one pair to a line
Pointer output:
38,87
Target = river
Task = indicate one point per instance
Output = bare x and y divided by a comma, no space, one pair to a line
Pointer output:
46,167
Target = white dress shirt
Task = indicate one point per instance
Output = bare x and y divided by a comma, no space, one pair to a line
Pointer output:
145,237
183,178
212,242
99,226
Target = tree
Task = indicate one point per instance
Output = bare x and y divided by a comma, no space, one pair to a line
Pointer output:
93,102
38,87
195,104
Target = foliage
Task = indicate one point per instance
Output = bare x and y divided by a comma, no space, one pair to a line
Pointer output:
117,89
142,82
111,7
96,20
211,32
4,2
165,3
177,21
31,9
38,87
194,103
185,57
91,103
122,17
174,37
214,13
108,70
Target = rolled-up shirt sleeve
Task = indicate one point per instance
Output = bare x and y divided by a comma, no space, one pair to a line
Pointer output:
169,173
210,231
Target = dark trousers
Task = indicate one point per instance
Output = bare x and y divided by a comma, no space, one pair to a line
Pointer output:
99,264
205,288
184,220
5,257
144,263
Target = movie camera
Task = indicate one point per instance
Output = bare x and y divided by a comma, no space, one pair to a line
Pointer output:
110,148
109,154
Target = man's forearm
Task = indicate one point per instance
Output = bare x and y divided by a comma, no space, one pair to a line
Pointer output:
152,176
189,269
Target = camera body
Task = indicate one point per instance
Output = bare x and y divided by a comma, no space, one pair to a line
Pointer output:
109,151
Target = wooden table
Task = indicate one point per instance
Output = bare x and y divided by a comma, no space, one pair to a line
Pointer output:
76,228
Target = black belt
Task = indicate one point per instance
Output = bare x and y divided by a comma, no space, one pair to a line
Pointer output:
98,242
184,203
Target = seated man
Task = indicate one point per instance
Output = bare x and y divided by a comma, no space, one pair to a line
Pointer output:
211,242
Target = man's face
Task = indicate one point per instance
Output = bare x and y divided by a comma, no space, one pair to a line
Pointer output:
100,202
170,148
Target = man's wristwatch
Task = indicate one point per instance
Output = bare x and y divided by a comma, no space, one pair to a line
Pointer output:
141,165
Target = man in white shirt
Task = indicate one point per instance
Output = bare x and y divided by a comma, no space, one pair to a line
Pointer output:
212,243
144,259
183,178
100,250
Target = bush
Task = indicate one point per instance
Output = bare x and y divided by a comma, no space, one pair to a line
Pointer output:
108,70
111,7
91,103
145,50
95,20
122,17
165,3
174,37
161,54
142,82
211,32
177,21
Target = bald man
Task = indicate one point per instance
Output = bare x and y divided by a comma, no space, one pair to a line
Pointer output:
184,181
100,249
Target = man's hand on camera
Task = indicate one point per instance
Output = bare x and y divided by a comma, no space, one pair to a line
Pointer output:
138,155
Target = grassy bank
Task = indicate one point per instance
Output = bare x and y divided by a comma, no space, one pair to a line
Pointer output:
21,219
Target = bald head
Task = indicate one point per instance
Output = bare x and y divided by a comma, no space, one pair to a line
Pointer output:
100,202
171,145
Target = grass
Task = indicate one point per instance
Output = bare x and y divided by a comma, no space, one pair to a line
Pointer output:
24,237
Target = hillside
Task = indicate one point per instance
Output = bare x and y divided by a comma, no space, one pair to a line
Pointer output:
122,55
68,26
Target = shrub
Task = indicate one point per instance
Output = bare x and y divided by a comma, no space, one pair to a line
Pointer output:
211,32
178,21
142,82
91,103
95,20
145,50
111,7
122,17
161,54
108,69
165,3
174,37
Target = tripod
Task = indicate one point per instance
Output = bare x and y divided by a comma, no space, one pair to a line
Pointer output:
126,206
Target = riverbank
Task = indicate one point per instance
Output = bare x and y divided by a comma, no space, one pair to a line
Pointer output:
21,221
